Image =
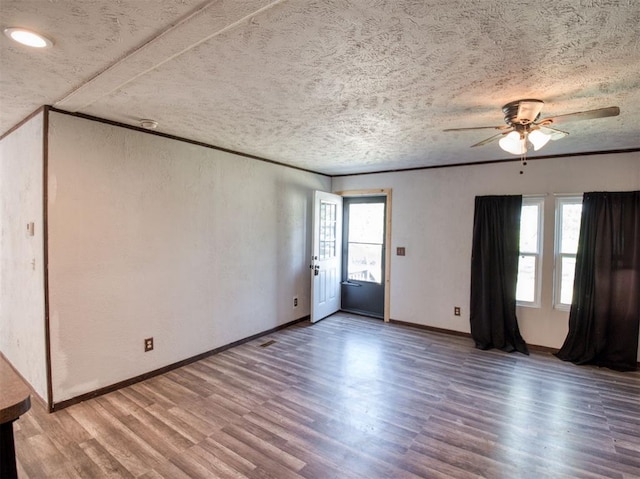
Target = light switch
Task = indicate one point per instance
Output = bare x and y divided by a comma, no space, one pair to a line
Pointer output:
31,229
400,251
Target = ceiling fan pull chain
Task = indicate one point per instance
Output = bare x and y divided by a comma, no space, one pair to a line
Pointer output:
523,161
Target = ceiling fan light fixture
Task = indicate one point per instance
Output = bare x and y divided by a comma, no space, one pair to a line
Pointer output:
538,139
514,143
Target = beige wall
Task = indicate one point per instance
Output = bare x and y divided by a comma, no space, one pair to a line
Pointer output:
151,237
433,219
22,320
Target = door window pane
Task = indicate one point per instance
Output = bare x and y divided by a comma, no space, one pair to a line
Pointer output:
328,227
365,262
366,237
366,223
526,288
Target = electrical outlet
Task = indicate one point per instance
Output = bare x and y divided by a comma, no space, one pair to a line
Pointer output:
295,301
148,345
456,310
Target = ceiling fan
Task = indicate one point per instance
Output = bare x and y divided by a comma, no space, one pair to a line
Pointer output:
523,125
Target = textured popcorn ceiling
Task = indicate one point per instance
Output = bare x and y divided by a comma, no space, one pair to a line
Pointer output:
332,86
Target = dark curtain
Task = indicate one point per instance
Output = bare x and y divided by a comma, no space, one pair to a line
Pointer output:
605,313
494,273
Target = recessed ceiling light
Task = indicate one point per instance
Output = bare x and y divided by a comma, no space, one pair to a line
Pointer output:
27,37
149,124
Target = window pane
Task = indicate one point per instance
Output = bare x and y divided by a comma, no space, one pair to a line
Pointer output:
571,214
366,223
529,229
526,289
328,227
365,262
566,282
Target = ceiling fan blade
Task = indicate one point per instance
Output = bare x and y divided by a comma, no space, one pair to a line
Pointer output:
553,133
582,115
501,127
490,139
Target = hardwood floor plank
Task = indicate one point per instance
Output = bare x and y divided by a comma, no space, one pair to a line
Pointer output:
37,464
193,466
228,456
158,435
418,464
105,463
121,442
151,475
197,424
175,424
117,404
264,443
245,447
214,466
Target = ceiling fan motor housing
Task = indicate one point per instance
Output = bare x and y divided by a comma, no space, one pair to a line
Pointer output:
522,112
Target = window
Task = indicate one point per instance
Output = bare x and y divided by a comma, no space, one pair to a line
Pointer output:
328,222
529,264
568,214
365,235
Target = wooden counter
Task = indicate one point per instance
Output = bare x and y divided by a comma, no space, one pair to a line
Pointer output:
15,400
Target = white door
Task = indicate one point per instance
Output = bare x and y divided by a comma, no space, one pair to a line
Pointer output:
326,258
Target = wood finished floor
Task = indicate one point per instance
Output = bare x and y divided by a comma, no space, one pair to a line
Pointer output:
348,398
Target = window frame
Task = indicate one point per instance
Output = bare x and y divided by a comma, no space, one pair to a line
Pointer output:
537,200
561,200
347,241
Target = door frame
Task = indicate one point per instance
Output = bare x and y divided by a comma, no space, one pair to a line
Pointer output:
387,239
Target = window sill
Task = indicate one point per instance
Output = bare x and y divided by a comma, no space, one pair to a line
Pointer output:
562,307
527,305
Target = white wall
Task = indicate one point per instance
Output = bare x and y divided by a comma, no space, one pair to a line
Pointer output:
432,216
22,317
151,237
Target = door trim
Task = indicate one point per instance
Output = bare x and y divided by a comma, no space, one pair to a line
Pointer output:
387,255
